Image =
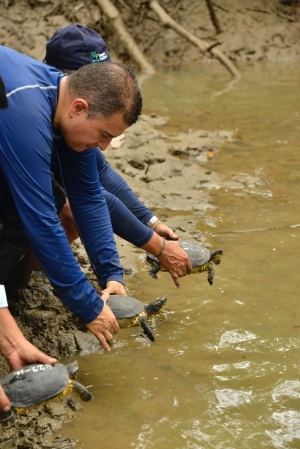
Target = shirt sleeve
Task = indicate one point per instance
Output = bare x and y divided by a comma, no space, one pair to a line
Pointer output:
3,299
124,223
90,211
116,185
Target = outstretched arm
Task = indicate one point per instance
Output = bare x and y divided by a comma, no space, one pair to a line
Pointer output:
115,184
115,187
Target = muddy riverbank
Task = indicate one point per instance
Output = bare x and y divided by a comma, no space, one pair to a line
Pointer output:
168,173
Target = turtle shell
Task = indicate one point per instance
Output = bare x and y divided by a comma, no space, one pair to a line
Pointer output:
198,254
36,383
125,307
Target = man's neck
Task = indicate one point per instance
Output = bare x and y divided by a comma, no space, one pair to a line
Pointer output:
60,104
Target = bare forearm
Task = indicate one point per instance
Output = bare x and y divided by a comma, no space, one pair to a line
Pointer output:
10,335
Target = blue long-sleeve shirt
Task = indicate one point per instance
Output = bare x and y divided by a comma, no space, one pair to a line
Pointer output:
26,142
127,213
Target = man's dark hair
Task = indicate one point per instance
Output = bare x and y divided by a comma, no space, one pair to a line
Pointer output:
108,88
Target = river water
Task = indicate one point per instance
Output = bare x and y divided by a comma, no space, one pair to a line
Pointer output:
224,370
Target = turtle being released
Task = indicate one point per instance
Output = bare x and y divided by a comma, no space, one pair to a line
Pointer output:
131,312
36,384
201,259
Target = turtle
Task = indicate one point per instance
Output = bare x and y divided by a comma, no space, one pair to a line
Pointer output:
131,312
37,384
201,259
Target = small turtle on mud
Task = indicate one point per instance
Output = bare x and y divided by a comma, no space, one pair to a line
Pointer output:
201,259
37,384
132,312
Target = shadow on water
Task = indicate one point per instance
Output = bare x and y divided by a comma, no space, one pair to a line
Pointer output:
223,372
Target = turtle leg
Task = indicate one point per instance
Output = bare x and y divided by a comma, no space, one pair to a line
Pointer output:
211,273
154,307
146,328
154,269
6,417
82,392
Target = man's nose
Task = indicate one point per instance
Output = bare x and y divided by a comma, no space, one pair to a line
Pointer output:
103,143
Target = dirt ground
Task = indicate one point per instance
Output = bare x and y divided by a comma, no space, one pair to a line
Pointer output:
252,31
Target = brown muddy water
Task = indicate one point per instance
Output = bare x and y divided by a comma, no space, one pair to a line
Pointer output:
224,370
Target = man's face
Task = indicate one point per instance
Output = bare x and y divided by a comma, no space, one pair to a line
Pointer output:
81,133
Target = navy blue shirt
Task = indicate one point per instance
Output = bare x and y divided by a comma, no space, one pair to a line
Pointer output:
26,142
127,213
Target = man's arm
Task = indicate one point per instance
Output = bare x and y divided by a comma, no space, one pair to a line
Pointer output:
115,184
25,160
90,211
115,187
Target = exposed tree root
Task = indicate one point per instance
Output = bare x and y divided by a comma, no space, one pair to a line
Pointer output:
126,39
203,46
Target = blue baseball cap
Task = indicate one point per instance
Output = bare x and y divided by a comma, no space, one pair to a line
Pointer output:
75,46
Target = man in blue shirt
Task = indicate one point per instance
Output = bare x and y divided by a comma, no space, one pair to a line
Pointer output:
81,112
78,111
67,50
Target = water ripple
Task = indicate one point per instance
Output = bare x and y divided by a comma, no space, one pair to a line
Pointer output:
288,388
228,397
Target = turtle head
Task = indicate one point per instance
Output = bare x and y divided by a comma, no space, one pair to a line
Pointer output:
155,307
215,257
72,369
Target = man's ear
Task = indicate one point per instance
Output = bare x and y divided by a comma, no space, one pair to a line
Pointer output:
79,106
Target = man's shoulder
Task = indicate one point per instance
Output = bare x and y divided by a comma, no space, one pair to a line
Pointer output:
20,71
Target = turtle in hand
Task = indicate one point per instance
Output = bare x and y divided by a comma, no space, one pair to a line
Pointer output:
37,384
201,260
132,312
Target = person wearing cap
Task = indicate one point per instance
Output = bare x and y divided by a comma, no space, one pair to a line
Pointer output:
69,49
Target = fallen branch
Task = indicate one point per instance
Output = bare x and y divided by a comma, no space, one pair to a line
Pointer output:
213,16
203,46
127,40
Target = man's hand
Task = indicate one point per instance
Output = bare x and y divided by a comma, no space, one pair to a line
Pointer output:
176,261
105,325
173,258
13,345
115,288
16,349
4,401
26,354
164,231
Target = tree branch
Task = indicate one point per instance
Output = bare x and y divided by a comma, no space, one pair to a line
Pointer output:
125,37
203,46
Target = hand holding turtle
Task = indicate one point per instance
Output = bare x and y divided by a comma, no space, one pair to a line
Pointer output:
164,231
115,288
175,260
15,348
171,256
4,401
105,325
